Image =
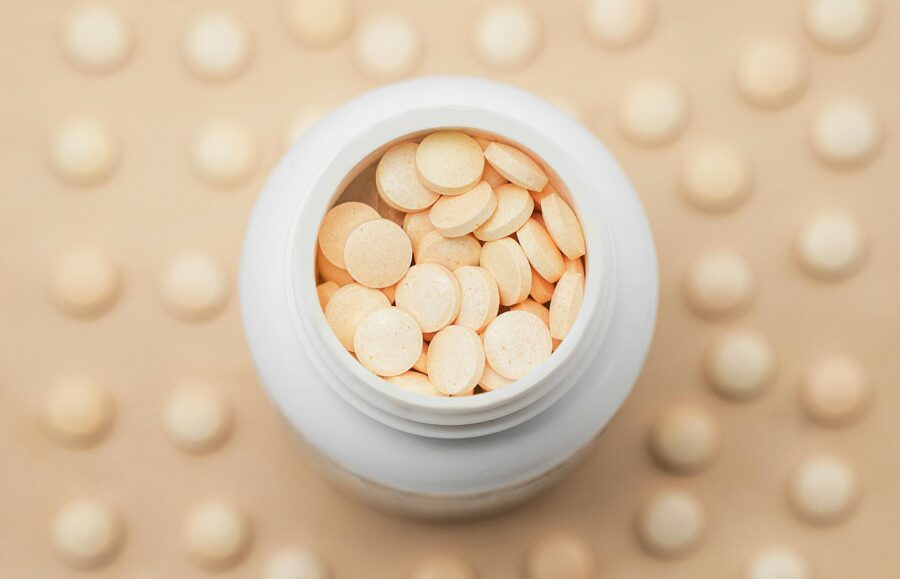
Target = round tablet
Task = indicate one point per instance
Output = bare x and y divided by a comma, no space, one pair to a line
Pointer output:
516,166
560,556
720,283
196,419
824,489
652,112
516,343
443,567
301,122
457,215
455,360
348,306
87,533
83,151
216,534
740,365
417,226
449,162
216,46
290,563
377,253
450,252
330,272
834,391
845,133
490,380
684,438
618,23
325,291
841,24
415,381
777,563
431,293
421,364
771,72
84,283
397,181
97,38
78,412
388,341
671,523
563,226
506,35
194,286
480,297
715,177
832,245
318,23
387,47
540,310
338,224
506,262
541,250
514,207
541,289
565,303
223,154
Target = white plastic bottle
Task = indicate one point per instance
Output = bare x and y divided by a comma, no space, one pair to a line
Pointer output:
446,456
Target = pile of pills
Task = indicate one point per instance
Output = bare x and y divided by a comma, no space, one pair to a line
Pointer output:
467,279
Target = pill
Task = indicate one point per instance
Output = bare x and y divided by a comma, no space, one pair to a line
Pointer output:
388,341
78,412
223,154
415,381
538,196
516,166
514,207
740,365
431,294
296,563
480,297
377,253
831,245
841,24
196,419
777,562
417,226
457,215
330,272
541,289
618,23
715,177
541,250
652,112
506,35
771,72
217,46
563,226
540,310
325,290
671,523
835,390
387,47
421,364
397,181
83,151
455,360
449,162
506,262
517,342
216,534
493,178
348,306
318,23
193,286
560,555
338,224
720,283
84,282
824,490
684,438
97,38
845,133
565,303
87,533
575,265
443,567
490,380
450,252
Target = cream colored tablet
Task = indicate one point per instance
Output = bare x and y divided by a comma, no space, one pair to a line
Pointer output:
652,112
740,365
541,251
516,166
824,490
296,563
325,290
387,47
560,555
84,283
538,196
566,303
224,154
318,23
563,226
196,418
541,289
778,562
87,533
834,391
514,207
338,224
506,261
684,438
217,46
540,310
576,265
771,72
845,133
455,360
671,523
194,286
97,38
516,343
421,364
831,245
451,252
618,23
78,412
415,381
506,35
397,181
348,306
388,341
431,293
417,226
490,380
480,297
83,151
443,567
841,24
493,178
216,534
715,177
377,253
449,162
330,272
720,282
457,215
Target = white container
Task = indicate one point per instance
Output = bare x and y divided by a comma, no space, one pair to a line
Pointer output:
446,456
